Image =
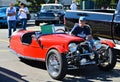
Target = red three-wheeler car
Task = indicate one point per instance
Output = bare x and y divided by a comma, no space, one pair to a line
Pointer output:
61,51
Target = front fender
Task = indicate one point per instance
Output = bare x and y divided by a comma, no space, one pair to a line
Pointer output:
60,49
109,43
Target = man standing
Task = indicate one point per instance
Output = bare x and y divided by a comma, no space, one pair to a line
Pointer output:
11,19
73,6
23,11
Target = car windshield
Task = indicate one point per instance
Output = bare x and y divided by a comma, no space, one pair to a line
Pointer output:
2,10
51,7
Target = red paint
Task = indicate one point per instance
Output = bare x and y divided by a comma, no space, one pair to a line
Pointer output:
109,43
57,41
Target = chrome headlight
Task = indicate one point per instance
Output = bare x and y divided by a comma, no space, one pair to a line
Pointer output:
97,44
72,47
35,15
56,14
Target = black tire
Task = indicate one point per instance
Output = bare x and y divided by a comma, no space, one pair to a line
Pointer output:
37,23
111,59
56,64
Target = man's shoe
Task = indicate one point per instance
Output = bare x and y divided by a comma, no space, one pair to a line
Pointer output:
8,46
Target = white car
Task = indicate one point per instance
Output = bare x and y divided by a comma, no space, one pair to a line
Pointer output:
53,7
50,13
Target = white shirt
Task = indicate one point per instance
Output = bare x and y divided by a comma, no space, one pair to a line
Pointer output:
10,11
23,15
73,6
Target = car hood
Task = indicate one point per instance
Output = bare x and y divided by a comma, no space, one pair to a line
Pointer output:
53,11
57,39
2,14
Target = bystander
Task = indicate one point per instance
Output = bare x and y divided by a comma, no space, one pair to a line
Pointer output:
23,11
11,19
73,6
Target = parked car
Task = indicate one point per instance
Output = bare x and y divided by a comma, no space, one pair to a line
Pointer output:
50,13
3,17
61,51
104,23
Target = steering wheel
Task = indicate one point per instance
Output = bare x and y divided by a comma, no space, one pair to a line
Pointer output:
60,30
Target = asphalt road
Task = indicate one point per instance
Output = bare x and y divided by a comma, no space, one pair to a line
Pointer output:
14,70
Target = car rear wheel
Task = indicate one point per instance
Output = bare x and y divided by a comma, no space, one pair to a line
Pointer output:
108,59
56,64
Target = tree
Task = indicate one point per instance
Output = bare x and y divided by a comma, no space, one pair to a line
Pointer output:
34,5
104,3
36,2
39,2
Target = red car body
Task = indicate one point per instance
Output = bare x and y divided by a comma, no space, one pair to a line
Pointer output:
60,51
37,50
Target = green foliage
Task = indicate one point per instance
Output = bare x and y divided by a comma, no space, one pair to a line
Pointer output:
36,2
98,3
34,5
104,3
18,3
39,2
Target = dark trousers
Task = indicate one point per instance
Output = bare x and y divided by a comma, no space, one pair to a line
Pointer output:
23,23
11,24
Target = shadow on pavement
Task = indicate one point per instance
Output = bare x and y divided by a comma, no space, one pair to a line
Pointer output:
84,74
37,64
10,76
91,74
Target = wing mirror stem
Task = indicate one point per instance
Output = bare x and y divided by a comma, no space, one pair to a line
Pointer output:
37,34
39,42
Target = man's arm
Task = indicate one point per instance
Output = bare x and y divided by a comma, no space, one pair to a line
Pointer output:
89,30
89,33
26,11
11,14
73,31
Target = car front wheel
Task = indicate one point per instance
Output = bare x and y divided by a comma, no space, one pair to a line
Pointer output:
108,59
56,64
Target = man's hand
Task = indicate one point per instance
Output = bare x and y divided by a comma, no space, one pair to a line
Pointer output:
89,37
11,14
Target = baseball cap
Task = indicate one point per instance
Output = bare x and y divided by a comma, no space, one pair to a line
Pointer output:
82,18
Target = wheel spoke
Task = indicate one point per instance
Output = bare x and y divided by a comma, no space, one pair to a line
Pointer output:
53,65
106,56
56,64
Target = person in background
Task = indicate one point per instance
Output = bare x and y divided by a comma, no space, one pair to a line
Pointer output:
23,11
11,19
73,6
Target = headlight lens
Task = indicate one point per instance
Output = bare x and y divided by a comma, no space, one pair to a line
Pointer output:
35,15
97,44
72,47
56,14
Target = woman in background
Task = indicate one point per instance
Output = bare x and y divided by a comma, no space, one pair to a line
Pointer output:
23,11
